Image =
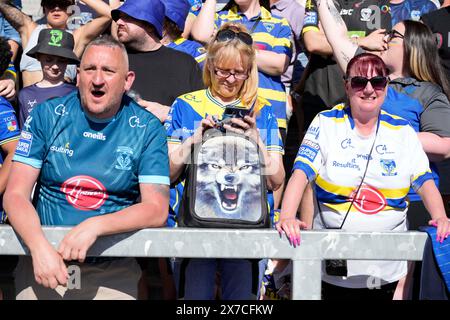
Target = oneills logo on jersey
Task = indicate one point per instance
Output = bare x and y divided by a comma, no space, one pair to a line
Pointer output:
84,192
369,200
96,136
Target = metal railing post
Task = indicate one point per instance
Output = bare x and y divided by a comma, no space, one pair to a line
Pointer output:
306,279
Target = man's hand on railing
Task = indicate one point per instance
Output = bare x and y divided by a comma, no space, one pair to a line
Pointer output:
77,241
49,268
291,226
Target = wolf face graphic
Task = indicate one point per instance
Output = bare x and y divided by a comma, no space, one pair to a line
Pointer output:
228,180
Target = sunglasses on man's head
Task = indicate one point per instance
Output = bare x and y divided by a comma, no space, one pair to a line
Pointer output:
391,34
358,83
228,35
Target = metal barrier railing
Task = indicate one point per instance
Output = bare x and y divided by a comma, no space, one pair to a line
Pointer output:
230,243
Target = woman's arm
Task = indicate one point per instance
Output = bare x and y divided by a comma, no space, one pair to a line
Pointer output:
203,26
288,222
272,63
437,148
336,32
435,206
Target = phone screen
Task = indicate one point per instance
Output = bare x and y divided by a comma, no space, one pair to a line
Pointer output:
233,112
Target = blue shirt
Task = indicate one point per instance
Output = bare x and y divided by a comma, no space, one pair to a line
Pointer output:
33,95
90,167
192,48
195,7
9,131
411,10
185,116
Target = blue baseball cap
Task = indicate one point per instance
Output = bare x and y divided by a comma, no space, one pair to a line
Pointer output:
150,11
177,11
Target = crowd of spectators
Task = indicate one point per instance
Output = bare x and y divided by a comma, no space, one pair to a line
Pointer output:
94,95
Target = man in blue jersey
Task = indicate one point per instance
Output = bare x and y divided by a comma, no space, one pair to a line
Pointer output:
95,153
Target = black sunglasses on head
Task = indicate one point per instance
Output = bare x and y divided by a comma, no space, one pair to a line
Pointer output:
358,83
228,35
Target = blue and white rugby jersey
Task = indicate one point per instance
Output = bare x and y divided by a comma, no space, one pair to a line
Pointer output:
9,131
195,7
334,156
192,48
185,116
272,34
91,167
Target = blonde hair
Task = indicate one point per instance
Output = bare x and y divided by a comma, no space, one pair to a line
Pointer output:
232,52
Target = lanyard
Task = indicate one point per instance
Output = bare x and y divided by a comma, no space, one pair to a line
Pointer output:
357,189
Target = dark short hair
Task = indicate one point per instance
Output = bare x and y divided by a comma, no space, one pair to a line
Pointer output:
60,3
5,55
361,63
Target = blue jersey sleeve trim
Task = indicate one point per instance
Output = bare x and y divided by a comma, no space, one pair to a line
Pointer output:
310,173
31,162
154,179
416,184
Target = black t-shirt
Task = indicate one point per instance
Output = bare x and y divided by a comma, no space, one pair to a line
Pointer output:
324,87
164,74
439,23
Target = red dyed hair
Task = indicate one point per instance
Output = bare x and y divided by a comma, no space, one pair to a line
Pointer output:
361,63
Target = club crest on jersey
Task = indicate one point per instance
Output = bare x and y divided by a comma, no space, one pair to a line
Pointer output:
269,26
124,158
415,15
389,167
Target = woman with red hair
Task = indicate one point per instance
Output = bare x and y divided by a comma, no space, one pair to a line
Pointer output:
362,161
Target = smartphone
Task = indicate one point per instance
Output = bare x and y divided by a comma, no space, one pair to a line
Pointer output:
234,112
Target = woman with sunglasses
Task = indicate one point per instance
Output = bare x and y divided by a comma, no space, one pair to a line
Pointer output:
231,77
363,161
418,90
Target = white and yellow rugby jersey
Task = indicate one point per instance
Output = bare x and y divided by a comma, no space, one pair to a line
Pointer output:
334,155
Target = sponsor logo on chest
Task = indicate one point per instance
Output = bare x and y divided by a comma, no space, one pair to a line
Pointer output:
95,136
84,192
